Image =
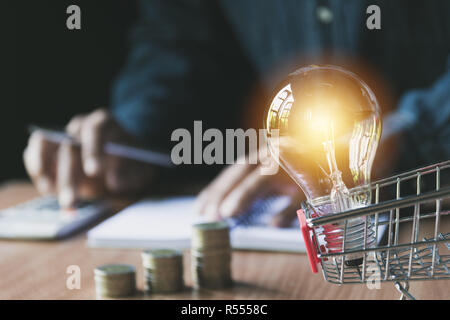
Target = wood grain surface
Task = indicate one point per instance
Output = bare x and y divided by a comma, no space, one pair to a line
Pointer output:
37,270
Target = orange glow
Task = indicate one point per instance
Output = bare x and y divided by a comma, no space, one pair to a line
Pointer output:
328,120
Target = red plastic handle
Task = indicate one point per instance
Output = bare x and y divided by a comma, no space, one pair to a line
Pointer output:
309,241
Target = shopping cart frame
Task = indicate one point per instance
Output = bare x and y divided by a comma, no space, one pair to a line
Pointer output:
416,260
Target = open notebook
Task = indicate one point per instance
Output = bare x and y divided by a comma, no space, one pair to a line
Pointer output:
166,223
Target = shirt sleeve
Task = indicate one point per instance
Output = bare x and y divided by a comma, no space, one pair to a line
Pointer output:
423,121
178,70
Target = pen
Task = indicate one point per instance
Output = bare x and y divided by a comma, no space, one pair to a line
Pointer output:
111,148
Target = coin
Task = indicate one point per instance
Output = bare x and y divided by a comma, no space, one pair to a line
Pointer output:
115,280
163,271
211,255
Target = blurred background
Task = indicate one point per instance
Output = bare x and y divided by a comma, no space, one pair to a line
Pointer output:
50,73
44,66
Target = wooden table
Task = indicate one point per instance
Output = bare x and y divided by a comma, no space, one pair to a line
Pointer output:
37,270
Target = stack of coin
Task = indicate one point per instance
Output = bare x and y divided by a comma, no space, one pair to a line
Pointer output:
115,280
163,271
211,255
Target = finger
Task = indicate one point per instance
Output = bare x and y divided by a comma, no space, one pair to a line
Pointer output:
209,200
39,159
244,194
285,218
68,174
33,152
41,183
92,134
73,128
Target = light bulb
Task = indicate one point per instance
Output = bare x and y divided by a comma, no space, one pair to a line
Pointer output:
323,127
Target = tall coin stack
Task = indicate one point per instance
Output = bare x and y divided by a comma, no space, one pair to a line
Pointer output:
115,280
211,255
163,271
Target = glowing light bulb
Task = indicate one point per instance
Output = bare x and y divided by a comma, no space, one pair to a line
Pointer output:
328,126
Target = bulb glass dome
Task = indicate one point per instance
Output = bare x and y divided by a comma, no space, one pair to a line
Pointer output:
323,126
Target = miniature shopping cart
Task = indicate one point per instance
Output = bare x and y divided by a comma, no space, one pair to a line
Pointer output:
407,220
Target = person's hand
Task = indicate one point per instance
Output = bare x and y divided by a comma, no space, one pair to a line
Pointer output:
236,187
83,172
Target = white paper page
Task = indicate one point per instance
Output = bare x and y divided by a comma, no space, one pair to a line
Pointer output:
167,224
163,221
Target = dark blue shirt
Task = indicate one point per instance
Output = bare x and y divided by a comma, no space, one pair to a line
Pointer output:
200,60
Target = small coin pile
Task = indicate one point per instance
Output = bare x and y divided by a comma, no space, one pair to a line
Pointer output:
115,280
163,271
211,255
